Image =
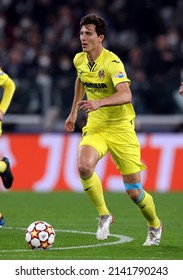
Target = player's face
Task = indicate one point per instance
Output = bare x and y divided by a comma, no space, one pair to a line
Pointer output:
90,41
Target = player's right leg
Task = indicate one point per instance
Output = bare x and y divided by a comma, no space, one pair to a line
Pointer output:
104,224
88,156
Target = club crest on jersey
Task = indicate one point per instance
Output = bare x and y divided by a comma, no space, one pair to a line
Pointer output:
101,74
119,75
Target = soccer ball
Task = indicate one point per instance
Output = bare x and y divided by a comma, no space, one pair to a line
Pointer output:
40,235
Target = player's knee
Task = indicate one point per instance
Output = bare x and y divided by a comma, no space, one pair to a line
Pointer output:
134,195
135,191
85,170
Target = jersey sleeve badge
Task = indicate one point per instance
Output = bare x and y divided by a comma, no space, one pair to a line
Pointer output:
120,75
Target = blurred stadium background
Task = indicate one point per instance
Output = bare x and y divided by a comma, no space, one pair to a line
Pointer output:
38,40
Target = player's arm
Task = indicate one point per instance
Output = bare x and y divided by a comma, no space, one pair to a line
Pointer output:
8,91
181,89
78,95
122,96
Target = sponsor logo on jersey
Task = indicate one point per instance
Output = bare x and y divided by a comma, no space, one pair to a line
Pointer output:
119,75
116,61
101,74
95,85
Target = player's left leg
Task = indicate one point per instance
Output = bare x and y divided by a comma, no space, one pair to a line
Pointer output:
145,203
5,173
125,151
142,199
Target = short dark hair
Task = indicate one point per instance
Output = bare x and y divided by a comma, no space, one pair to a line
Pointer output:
100,23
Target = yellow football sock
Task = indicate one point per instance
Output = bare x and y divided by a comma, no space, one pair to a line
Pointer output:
93,188
2,166
147,208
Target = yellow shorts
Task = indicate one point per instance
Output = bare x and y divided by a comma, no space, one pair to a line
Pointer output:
123,146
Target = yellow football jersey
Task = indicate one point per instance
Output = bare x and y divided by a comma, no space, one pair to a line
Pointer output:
9,87
3,77
100,80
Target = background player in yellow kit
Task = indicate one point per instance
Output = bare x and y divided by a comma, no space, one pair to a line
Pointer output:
109,128
8,90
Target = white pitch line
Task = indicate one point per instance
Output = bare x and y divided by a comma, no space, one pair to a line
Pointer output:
121,239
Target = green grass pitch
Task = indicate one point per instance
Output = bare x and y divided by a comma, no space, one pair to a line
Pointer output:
74,219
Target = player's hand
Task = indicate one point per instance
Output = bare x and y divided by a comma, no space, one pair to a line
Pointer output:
88,105
70,123
181,89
